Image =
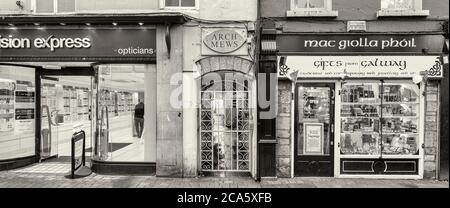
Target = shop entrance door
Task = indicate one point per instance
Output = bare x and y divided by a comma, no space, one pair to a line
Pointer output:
66,106
314,129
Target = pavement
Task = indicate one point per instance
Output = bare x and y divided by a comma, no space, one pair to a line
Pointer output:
52,175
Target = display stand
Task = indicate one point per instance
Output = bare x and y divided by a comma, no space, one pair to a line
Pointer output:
78,169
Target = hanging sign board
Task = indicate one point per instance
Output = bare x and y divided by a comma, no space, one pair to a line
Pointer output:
360,66
77,44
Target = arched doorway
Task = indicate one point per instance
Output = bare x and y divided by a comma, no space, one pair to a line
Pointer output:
225,122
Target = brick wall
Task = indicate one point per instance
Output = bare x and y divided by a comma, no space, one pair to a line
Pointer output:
431,129
283,148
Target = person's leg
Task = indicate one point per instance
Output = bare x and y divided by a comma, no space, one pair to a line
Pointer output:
141,129
136,126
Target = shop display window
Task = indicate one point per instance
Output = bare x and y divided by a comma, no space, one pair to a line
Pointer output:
17,111
379,118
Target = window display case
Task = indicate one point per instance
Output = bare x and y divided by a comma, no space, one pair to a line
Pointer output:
379,118
360,119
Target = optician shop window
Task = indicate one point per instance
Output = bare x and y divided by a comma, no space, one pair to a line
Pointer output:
17,111
402,8
311,8
53,6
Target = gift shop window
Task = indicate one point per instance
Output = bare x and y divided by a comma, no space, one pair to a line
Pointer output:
380,119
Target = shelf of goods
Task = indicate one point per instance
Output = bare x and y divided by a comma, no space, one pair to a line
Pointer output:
379,119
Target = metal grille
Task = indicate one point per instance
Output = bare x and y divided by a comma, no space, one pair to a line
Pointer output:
224,129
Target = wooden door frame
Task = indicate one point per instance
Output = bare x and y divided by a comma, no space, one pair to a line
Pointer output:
332,86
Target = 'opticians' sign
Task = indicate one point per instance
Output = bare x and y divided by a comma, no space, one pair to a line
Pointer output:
80,44
360,66
308,44
218,41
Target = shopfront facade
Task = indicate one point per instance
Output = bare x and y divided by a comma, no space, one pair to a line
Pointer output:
191,65
362,114
358,94
86,75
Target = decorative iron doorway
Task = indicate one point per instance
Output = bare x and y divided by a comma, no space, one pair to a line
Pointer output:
225,123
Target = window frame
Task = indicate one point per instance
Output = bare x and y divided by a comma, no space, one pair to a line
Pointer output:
162,4
416,10
326,11
55,8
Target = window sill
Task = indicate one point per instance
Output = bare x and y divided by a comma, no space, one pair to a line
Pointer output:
399,13
312,13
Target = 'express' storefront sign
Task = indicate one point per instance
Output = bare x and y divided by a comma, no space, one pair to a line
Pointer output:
77,44
360,66
396,43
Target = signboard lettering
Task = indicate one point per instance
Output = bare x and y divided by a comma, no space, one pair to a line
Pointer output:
223,41
359,43
83,44
361,66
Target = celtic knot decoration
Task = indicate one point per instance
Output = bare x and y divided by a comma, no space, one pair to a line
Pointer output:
284,70
436,70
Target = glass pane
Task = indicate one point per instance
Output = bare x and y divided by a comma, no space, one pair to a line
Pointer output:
302,3
404,4
44,6
316,4
397,4
360,118
66,5
314,121
66,103
17,111
188,3
50,111
122,106
174,3
400,119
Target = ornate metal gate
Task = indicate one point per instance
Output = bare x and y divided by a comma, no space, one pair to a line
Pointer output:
224,126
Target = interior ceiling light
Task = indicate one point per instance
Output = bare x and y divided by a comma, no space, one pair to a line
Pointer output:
141,23
11,24
37,24
88,24
114,23
62,23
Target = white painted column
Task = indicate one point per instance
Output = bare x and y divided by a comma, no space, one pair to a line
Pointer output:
150,97
190,125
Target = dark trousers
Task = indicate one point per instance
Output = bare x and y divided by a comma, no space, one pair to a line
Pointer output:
139,124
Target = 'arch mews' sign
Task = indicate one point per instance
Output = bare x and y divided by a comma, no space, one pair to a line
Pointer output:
223,41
